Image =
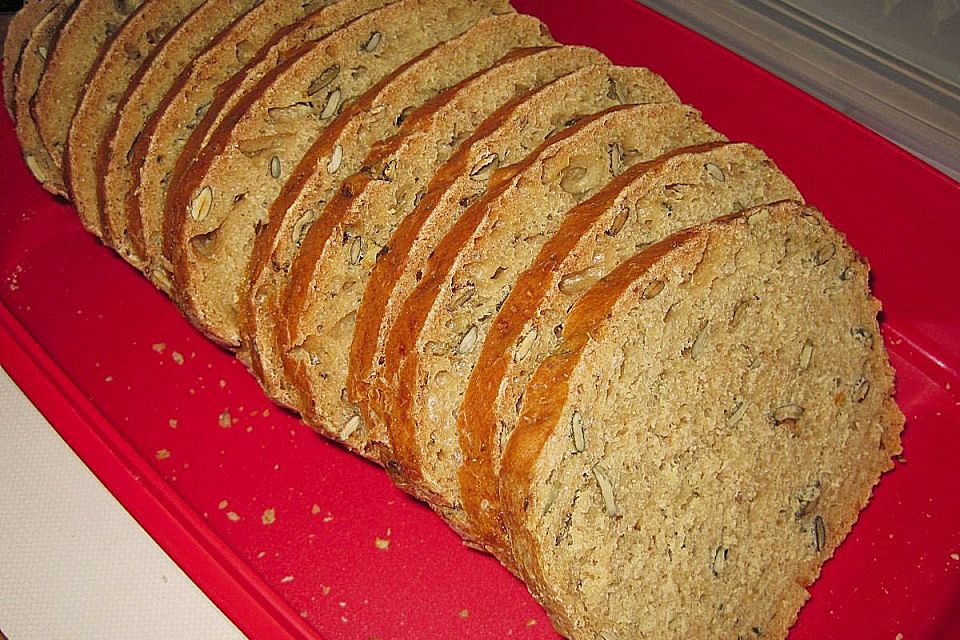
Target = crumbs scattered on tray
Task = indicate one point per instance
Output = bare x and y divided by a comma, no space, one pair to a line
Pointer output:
464,614
382,543
225,420
955,556
233,516
172,422
269,516
286,579
163,454
177,357
159,347
14,277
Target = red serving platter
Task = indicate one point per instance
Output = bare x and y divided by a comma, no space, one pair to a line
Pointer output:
293,537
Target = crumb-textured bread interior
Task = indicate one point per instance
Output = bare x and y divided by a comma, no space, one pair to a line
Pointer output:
141,98
204,94
643,205
105,89
330,273
29,68
338,153
665,485
228,191
437,336
20,29
90,27
507,136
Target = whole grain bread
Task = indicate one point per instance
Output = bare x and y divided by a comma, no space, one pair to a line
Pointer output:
216,209
651,491
644,204
19,32
203,95
90,27
26,76
340,152
328,276
434,342
104,90
506,136
142,97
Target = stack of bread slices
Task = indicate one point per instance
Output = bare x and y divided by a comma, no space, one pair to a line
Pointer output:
605,343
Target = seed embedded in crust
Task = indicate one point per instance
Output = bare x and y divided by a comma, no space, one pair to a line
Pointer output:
700,342
576,428
324,79
35,167
819,534
806,354
356,250
606,490
372,42
861,389
787,413
350,427
577,282
737,414
468,340
526,343
824,254
863,336
551,498
571,180
720,556
653,289
200,207
336,158
488,163
738,313
616,159
615,91
275,166
807,500
618,221
332,104
714,172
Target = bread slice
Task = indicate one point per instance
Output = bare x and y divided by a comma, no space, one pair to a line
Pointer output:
91,25
141,98
19,32
641,206
215,210
29,69
376,115
104,91
436,337
328,276
662,485
179,128
506,136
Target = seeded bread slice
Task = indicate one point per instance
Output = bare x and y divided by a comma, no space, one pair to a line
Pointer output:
433,344
203,94
90,27
339,152
649,493
104,91
215,210
143,94
329,274
506,136
641,206
29,68
19,32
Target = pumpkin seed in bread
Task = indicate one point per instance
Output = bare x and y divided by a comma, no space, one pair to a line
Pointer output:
28,71
144,92
641,206
215,210
339,152
203,95
702,495
329,274
506,136
436,337
88,30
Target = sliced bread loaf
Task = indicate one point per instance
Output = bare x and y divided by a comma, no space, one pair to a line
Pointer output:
19,31
506,136
215,210
203,94
328,276
339,152
144,92
644,204
104,90
651,493
29,69
91,25
436,337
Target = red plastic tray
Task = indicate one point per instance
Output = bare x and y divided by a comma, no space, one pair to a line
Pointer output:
295,538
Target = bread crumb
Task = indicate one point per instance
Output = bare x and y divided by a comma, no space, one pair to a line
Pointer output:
899,636
382,543
955,556
233,516
159,347
222,505
464,613
266,413
315,509
223,383
177,357
173,423
326,590
269,516
108,379
163,454
225,420
304,614
286,579
327,518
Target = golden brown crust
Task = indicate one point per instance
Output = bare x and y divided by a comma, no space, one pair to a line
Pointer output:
18,33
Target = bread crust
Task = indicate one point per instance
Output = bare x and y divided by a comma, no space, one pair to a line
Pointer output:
19,32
